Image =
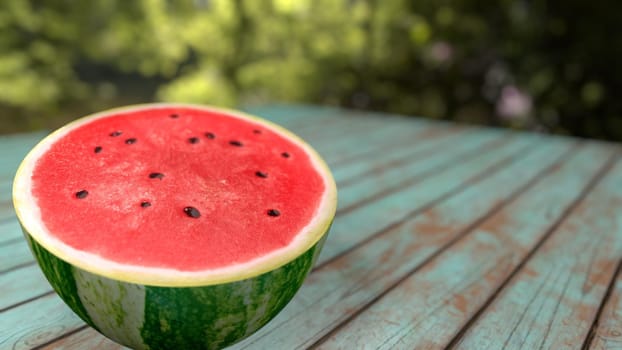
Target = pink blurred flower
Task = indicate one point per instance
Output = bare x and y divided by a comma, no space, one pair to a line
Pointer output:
514,103
441,52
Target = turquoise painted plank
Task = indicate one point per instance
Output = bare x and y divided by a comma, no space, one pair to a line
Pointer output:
87,338
12,151
15,140
338,290
435,140
378,144
22,284
36,323
329,128
362,132
394,178
338,143
293,115
357,225
608,334
10,231
346,117
553,300
6,184
13,255
431,306
6,210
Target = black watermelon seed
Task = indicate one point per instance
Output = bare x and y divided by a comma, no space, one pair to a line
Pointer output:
210,135
174,115
156,176
98,149
285,155
130,141
235,143
193,140
145,204
257,131
192,212
82,194
261,174
116,133
274,212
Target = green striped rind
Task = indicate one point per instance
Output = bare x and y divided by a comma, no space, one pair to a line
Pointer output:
175,317
60,275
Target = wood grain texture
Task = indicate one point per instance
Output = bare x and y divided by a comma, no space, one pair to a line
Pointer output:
608,333
22,284
13,148
552,301
338,290
429,142
355,226
83,339
10,231
36,323
401,174
426,310
13,255
339,146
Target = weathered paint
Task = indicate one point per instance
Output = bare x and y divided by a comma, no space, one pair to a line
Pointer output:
364,221
16,254
384,157
36,322
403,173
608,334
427,309
86,338
552,302
22,284
10,232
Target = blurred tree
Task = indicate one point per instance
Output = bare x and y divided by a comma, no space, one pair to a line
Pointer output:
533,64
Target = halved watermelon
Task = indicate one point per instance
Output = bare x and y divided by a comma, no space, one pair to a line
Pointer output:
174,226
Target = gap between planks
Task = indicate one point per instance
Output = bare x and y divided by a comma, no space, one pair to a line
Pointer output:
589,340
474,179
461,235
396,187
593,182
61,337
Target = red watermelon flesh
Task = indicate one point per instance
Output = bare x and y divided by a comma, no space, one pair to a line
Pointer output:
178,188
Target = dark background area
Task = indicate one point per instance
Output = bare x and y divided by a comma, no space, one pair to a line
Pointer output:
536,65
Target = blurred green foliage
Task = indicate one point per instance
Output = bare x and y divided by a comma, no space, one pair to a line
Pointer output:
531,64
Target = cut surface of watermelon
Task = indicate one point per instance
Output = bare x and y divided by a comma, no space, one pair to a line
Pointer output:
172,195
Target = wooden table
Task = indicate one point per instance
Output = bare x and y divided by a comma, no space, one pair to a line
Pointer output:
446,236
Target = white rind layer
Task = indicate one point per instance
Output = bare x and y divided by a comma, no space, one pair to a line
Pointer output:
29,215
